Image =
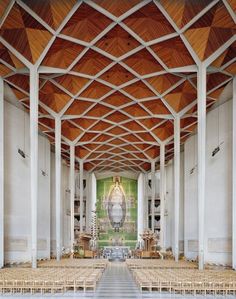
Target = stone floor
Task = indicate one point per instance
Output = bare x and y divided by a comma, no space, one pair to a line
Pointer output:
117,283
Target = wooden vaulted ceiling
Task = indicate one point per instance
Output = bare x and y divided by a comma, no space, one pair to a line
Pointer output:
117,72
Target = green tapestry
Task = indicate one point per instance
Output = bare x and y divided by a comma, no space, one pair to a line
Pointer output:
117,211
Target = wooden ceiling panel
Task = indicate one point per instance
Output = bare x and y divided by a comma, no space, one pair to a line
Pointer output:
117,8
72,83
182,11
78,107
164,131
146,137
98,111
133,126
163,82
117,131
52,12
4,70
156,107
153,152
145,22
62,53
81,152
143,63
47,122
96,90
24,33
117,42
173,53
9,58
53,97
117,99
226,56
211,31
117,117
84,123
139,90
86,23
181,96
149,123
70,131
135,110
231,69
87,137
91,63
216,79
20,80
101,126
117,75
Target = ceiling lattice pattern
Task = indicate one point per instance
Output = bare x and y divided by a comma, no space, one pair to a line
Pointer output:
117,72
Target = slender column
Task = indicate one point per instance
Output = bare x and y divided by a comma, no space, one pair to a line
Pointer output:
1,173
177,183
88,202
234,178
201,89
153,193
34,79
162,193
58,186
81,194
72,194
145,202
140,205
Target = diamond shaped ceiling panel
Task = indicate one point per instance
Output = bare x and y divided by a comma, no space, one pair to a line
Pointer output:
117,75
143,63
24,33
117,42
72,83
117,72
117,99
91,63
145,22
86,23
211,31
62,53
139,90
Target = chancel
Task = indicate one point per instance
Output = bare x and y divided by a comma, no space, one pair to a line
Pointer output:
118,148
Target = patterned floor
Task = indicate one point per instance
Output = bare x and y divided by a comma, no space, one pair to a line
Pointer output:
116,283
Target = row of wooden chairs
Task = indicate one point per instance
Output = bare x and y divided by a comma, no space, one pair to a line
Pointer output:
185,281
158,263
74,263
51,280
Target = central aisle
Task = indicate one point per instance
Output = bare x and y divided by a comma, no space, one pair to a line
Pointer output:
117,282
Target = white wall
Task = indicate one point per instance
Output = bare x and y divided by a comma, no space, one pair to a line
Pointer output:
17,225
218,220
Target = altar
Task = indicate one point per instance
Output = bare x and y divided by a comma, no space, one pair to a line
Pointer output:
116,253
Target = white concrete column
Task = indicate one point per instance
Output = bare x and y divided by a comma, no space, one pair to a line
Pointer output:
1,173
81,193
140,205
88,202
145,201
234,178
176,185
162,194
34,81
72,194
93,192
58,185
201,89
153,193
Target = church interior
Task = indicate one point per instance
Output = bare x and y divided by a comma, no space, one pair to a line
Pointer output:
118,148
